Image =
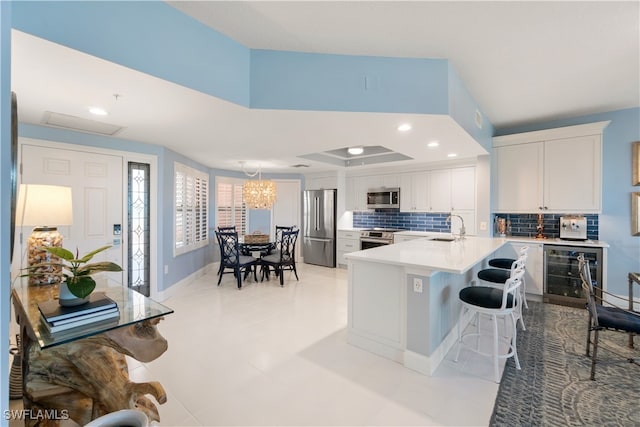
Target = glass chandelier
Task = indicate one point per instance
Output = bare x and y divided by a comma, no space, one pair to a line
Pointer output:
260,193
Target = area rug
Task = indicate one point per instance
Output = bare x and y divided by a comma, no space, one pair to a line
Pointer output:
553,387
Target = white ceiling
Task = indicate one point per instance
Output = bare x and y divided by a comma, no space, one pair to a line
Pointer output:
523,62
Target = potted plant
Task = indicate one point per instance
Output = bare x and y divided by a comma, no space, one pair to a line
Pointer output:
77,272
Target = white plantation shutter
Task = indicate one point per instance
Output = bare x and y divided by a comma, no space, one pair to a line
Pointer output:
230,208
191,209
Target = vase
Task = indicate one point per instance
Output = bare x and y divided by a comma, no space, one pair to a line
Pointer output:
67,299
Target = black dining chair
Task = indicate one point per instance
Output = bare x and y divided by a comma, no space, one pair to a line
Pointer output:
229,229
604,315
283,257
231,258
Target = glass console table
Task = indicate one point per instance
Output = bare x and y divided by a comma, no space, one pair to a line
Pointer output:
134,307
82,372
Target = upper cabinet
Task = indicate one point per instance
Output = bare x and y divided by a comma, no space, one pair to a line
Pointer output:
414,189
555,171
314,182
438,190
356,194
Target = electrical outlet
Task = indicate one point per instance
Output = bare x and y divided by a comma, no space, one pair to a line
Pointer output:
417,285
166,269
483,226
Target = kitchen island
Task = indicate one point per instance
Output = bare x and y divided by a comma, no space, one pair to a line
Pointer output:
403,298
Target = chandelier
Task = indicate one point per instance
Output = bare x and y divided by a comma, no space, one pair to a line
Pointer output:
260,193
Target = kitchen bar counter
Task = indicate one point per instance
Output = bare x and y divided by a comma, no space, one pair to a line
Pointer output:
558,241
453,257
403,298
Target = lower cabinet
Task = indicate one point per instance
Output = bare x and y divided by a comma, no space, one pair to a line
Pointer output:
348,241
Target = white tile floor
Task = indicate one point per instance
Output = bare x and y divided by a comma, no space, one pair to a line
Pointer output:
271,355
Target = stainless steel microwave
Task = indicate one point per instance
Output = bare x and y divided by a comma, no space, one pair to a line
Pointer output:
383,198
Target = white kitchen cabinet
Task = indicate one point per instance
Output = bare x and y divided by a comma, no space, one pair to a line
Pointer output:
320,182
556,170
577,186
375,182
356,189
440,190
534,277
518,172
463,189
414,192
348,241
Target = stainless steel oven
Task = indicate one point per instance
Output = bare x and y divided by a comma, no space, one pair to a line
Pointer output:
374,238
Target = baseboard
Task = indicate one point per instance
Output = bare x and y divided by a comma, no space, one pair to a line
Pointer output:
375,347
183,284
427,365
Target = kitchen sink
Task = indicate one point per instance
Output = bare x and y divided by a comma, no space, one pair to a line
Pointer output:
443,239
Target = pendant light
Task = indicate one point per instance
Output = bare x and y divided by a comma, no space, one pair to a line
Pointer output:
260,193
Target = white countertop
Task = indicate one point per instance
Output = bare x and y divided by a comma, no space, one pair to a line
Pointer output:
550,241
453,257
557,241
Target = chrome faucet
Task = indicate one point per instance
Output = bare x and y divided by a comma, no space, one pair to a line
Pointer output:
463,231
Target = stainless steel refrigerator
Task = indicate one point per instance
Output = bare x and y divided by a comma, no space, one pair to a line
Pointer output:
319,232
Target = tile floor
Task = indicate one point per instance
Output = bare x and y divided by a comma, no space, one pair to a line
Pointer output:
271,355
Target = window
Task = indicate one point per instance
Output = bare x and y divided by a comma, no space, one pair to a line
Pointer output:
191,209
231,210
139,233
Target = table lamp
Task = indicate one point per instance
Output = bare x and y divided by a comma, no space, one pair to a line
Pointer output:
45,207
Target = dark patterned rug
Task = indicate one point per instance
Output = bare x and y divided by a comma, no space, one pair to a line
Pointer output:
553,387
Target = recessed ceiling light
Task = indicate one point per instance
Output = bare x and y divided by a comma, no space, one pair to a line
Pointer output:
404,127
354,151
97,111
433,144
452,155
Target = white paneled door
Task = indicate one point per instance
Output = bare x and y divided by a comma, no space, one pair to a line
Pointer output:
96,182
286,209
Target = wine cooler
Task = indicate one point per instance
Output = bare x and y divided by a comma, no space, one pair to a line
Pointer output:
562,284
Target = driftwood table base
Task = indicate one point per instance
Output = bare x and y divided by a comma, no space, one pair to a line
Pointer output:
88,378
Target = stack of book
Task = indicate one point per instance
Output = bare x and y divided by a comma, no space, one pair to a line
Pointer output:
60,318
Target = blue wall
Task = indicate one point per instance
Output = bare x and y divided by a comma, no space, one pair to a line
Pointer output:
310,81
5,202
148,36
615,220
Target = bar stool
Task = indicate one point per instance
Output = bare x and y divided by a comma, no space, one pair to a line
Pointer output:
494,302
499,276
506,264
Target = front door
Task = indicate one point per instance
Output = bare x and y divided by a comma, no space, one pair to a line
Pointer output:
96,186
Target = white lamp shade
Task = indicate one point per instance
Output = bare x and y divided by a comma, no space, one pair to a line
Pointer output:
44,205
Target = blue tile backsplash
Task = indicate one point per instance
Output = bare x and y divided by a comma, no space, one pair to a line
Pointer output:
522,225
416,221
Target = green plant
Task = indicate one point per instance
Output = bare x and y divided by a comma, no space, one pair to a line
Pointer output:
76,270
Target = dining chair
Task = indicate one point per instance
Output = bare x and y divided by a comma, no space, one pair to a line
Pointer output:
609,317
229,229
231,258
283,257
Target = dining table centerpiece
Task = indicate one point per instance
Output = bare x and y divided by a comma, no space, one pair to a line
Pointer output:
77,283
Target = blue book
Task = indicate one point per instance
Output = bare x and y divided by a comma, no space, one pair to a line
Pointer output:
52,310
